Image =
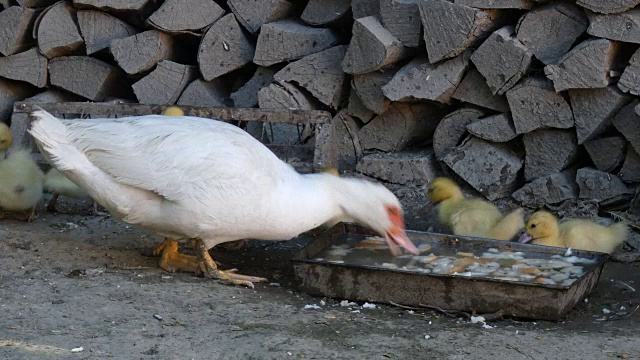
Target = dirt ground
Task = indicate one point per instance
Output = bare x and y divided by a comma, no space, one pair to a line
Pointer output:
72,280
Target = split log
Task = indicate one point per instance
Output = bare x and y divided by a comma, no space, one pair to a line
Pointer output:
286,96
247,95
402,125
16,27
549,110
630,80
10,92
496,128
177,16
452,129
630,171
357,109
502,59
320,74
402,19
473,89
420,80
552,189
253,16
372,47
593,108
369,89
98,29
88,77
490,168
608,6
29,66
204,93
165,83
627,122
364,8
550,30
288,40
323,12
141,52
548,151
347,145
449,29
53,96
607,153
58,34
498,4
588,65
224,48
404,168
600,186
36,4
124,6
622,27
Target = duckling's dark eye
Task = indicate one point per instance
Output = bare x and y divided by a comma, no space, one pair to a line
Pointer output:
533,226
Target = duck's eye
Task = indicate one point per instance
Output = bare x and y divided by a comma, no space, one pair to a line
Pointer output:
533,226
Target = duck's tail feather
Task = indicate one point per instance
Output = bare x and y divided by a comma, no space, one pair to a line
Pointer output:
620,231
508,226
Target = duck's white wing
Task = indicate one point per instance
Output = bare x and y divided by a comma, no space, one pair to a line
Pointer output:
179,158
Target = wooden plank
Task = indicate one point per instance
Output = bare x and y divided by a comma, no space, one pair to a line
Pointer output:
226,114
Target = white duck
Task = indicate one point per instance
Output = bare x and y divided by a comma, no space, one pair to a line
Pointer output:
188,178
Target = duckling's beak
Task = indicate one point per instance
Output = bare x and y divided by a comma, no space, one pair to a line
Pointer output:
525,237
396,238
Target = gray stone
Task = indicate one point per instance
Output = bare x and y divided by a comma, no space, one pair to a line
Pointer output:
420,80
627,122
400,168
502,59
535,105
452,129
593,109
586,66
630,171
550,30
607,153
600,186
496,128
551,189
473,89
548,151
490,168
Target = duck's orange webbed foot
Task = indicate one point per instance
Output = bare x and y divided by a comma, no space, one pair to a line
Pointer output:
171,260
209,268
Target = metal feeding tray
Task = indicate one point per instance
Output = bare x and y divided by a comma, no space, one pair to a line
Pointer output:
518,299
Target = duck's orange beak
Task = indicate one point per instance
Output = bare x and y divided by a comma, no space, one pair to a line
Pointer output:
396,236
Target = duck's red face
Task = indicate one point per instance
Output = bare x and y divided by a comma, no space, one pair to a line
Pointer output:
395,235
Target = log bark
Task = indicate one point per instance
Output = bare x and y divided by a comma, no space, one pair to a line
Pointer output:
178,16
622,27
608,6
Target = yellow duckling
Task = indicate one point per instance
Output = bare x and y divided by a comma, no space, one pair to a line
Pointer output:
20,183
6,139
543,229
58,184
173,111
330,170
472,217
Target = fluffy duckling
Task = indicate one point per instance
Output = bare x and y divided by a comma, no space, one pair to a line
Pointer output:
472,217
173,111
543,228
6,139
58,184
20,183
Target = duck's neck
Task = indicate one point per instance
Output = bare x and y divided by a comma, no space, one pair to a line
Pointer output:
551,237
307,202
447,207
